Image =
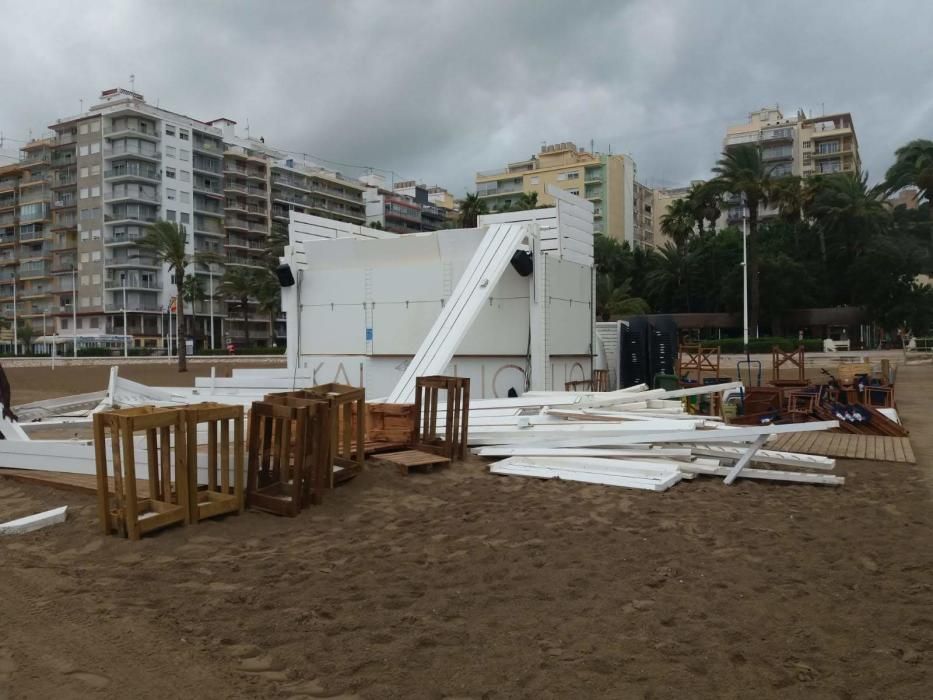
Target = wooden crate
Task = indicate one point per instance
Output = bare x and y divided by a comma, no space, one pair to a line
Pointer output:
389,422
288,454
224,489
453,443
127,514
346,435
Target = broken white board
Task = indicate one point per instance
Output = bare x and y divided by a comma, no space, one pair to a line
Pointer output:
649,479
483,272
34,522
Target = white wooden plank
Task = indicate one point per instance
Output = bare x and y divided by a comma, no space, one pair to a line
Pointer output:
607,479
641,468
534,451
701,390
768,474
34,522
691,436
745,459
790,459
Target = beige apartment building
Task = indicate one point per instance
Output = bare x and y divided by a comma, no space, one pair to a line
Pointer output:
608,181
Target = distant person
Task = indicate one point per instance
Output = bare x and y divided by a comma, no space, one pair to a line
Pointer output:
231,348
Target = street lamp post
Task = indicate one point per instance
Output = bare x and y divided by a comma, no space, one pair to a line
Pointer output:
15,332
126,330
210,273
74,311
748,356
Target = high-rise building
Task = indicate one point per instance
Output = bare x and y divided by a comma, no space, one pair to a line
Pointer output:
73,209
408,207
608,181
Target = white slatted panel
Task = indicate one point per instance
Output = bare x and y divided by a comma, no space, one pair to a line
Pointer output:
608,334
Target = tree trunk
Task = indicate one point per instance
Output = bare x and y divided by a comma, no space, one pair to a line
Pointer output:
245,303
180,337
752,269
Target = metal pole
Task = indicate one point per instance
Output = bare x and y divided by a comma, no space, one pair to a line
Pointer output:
44,331
210,272
748,356
126,330
74,311
161,329
15,332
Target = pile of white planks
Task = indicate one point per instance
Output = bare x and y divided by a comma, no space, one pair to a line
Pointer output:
636,438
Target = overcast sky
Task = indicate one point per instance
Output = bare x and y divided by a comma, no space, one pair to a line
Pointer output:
438,90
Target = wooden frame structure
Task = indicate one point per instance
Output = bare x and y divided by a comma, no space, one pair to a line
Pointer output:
347,437
453,444
794,358
598,382
699,359
221,496
129,515
288,454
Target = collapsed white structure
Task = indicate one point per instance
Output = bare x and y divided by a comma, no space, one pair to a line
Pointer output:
365,302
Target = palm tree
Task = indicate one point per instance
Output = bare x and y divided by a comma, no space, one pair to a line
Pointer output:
471,208
269,297
192,291
705,202
913,166
677,224
741,171
668,281
617,300
238,285
525,201
166,240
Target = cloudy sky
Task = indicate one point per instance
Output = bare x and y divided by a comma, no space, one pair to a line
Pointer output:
437,90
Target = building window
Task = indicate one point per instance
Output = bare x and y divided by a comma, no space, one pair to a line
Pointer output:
95,147
95,170
186,197
83,151
183,154
535,180
169,214
84,193
185,216
95,322
170,151
170,194
183,134
95,256
170,172
78,324
185,176
169,130
84,172
95,127
83,128
576,192
569,176
85,279
95,191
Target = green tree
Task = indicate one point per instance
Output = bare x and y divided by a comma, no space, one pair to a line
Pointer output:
269,299
25,333
166,239
742,171
678,222
525,201
471,208
668,282
913,165
617,300
238,285
706,204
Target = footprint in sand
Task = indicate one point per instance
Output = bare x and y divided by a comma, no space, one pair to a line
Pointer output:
7,668
92,680
254,662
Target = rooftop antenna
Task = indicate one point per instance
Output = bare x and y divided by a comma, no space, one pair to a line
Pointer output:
823,106
81,102
132,82
247,128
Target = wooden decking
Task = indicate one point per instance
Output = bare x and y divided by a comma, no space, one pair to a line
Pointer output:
872,447
411,459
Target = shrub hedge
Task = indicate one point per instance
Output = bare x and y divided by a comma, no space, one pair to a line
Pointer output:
733,346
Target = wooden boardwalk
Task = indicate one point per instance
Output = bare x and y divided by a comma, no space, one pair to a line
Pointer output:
845,445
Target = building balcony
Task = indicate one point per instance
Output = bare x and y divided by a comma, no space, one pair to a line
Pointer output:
244,261
132,283
214,191
247,243
738,139
206,166
135,151
133,306
127,218
34,272
235,187
131,196
131,172
35,195
123,237
64,180
132,130
64,223
147,261
33,235
209,147
35,294
65,139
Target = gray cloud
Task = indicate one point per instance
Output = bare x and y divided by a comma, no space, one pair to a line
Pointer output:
438,90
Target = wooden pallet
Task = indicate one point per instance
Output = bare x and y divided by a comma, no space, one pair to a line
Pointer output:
880,448
81,483
412,459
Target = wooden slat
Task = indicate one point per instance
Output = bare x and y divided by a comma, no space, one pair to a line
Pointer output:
908,451
898,446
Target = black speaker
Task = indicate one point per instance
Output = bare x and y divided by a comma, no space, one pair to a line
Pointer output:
284,273
522,262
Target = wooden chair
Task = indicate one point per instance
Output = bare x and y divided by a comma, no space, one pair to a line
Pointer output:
222,494
130,515
697,359
794,358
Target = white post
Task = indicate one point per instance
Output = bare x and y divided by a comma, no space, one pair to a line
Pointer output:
126,330
162,329
74,310
745,277
15,332
44,331
53,351
210,272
